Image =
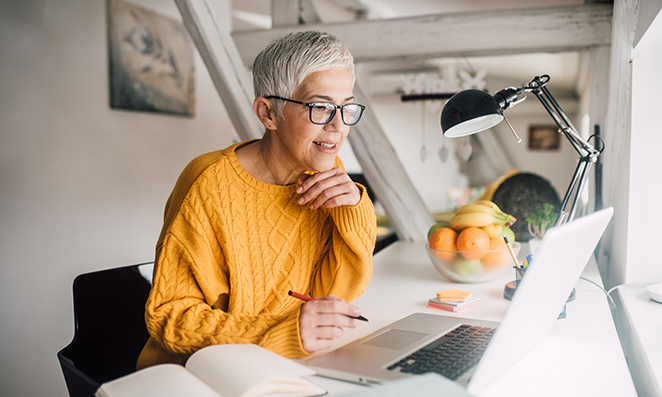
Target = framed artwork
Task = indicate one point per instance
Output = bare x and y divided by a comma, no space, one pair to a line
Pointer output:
544,137
151,61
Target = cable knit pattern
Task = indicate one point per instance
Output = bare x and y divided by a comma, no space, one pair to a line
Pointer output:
232,246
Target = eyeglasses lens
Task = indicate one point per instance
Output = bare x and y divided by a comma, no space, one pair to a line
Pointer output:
352,114
322,113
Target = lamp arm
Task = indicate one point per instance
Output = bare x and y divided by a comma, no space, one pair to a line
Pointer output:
538,88
588,154
579,179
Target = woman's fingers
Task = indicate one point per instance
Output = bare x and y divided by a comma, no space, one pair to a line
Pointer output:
322,321
331,312
330,189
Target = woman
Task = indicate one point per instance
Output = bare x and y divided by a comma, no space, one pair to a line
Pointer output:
245,225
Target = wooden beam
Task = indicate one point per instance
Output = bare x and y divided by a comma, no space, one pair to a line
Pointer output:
598,94
284,13
612,254
381,166
308,12
203,20
553,29
494,152
292,13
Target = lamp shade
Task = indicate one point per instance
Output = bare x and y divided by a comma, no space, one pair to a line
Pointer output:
469,112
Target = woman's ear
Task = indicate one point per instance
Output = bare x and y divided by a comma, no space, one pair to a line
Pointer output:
265,112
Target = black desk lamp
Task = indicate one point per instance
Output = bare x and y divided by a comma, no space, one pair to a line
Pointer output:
472,111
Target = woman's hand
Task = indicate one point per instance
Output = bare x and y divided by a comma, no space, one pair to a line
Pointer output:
322,320
332,188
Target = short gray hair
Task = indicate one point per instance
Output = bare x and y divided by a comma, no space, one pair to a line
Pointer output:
281,67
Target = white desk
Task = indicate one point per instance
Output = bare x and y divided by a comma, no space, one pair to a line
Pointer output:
582,355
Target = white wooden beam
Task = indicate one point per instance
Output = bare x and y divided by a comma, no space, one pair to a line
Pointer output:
613,255
598,94
553,29
204,21
494,152
381,166
292,13
309,13
284,13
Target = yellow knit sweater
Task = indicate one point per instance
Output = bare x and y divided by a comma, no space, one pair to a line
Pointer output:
232,247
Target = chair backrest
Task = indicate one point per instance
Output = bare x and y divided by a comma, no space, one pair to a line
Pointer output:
110,331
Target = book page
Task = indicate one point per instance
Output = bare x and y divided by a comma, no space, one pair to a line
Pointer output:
234,369
164,380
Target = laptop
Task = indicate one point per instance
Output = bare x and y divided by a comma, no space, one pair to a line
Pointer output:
541,296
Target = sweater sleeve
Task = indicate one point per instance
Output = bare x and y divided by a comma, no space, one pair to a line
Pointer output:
182,311
346,265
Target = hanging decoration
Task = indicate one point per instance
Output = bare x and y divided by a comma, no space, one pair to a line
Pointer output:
434,91
465,149
424,150
443,151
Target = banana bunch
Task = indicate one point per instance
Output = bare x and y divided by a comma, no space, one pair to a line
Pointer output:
480,214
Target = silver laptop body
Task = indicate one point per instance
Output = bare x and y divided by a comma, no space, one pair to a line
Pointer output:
541,295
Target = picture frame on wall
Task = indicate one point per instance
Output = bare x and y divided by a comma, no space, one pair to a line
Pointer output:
151,61
544,137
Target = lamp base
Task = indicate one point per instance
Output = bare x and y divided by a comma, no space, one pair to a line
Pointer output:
511,287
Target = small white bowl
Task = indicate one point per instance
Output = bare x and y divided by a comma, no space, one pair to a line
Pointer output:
655,292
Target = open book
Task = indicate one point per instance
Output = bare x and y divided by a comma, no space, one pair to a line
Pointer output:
221,370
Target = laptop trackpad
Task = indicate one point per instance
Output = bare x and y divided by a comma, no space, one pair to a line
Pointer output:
394,339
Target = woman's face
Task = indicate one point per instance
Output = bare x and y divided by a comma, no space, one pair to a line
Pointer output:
308,146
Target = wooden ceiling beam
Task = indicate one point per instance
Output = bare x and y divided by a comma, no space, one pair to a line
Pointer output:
550,29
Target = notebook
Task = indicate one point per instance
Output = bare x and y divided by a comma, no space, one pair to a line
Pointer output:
540,297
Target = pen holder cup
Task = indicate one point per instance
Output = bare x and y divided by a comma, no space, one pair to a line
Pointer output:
519,273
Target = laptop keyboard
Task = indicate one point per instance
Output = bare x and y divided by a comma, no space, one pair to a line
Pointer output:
451,355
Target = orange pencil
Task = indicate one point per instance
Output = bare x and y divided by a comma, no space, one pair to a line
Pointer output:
512,253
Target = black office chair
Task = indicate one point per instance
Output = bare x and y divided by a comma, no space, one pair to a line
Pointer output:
110,331
382,241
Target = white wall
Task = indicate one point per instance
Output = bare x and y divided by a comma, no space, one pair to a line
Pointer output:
643,263
83,186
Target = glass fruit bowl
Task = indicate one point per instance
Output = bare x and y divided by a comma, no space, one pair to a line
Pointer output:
472,266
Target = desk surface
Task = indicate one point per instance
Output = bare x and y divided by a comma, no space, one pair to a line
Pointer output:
582,355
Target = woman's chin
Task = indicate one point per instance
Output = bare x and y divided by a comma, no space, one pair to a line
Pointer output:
323,164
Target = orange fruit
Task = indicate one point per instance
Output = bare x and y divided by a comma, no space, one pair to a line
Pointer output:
475,240
500,254
443,239
493,230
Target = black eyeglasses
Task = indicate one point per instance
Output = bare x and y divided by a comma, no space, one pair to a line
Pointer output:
321,113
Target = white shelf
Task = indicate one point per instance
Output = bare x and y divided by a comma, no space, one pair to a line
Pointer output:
640,327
